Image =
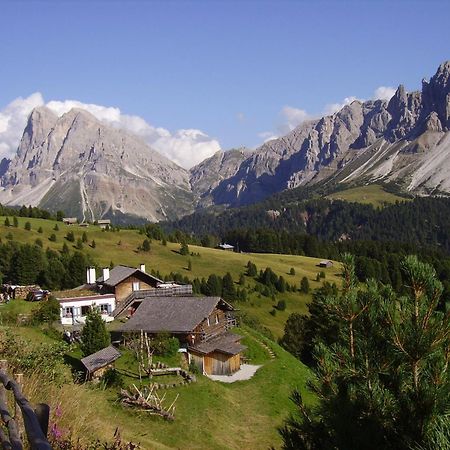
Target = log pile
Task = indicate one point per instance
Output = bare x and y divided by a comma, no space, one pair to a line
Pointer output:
150,402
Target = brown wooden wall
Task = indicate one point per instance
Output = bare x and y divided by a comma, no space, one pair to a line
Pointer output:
217,363
213,329
125,288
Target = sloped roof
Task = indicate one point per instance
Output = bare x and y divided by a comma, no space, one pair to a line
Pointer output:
225,343
120,273
100,359
172,314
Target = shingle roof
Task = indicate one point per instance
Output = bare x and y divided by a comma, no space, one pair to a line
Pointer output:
172,314
120,273
225,343
100,359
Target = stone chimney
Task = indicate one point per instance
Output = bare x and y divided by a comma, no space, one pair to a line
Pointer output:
105,273
142,267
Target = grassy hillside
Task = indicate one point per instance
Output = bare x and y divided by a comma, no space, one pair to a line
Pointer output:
209,414
373,194
121,247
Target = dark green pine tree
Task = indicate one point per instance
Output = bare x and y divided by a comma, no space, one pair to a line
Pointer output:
213,285
94,335
228,288
385,382
304,285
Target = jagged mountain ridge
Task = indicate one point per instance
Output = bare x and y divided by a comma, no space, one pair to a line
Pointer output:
404,140
91,170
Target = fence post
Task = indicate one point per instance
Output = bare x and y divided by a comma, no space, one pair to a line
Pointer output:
17,412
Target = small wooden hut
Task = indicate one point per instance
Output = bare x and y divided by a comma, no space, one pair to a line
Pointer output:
99,362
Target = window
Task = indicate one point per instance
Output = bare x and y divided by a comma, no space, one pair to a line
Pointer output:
207,321
68,311
136,286
104,309
217,319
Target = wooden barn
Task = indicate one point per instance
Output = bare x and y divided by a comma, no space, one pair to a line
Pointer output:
123,281
98,363
201,324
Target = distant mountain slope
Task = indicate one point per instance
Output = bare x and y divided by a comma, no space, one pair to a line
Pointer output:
405,141
90,170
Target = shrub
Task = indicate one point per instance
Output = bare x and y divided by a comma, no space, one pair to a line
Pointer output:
145,245
70,236
164,344
292,271
273,312
15,222
27,226
40,230
38,242
56,228
304,285
93,245
112,378
281,305
48,311
52,237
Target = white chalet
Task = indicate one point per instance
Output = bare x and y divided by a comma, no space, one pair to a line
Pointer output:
73,310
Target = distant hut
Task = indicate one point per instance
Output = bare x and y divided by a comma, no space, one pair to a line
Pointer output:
99,362
326,263
104,223
227,247
70,220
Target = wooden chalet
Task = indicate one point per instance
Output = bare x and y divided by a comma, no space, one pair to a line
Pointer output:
70,220
98,363
201,324
326,263
104,223
122,281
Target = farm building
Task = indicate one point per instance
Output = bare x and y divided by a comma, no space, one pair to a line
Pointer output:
123,281
326,263
201,325
228,247
73,310
70,220
103,223
98,363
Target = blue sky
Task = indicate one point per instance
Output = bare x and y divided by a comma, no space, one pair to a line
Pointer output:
225,68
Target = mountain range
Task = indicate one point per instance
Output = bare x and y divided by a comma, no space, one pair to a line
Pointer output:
91,170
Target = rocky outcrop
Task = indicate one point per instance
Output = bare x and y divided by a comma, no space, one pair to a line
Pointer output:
90,170
363,142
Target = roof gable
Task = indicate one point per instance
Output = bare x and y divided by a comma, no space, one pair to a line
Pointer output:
121,273
172,314
100,359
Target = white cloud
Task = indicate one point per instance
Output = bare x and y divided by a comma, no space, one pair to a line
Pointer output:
292,117
383,93
186,147
13,118
267,136
332,108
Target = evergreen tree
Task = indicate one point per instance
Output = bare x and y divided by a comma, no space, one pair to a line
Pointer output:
65,249
228,288
241,279
15,222
27,226
70,236
84,237
292,271
304,285
145,245
93,244
52,237
59,216
213,286
252,271
7,223
184,249
40,230
189,267
385,382
94,336
56,228
79,245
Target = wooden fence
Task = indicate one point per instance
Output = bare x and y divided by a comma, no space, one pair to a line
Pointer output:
34,421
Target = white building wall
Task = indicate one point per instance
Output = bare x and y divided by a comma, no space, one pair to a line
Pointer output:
76,306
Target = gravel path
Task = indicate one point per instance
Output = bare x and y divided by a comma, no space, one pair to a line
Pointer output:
244,373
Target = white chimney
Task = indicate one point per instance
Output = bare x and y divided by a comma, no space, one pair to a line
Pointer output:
93,276
142,267
105,273
88,275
